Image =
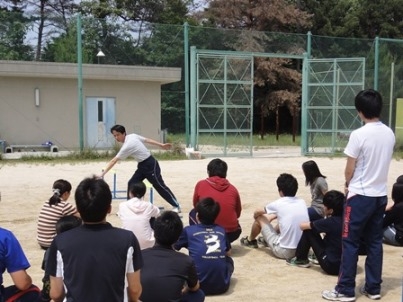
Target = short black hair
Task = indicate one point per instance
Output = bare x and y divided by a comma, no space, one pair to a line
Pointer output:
93,199
397,190
287,184
138,189
369,103
167,228
334,200
118,128
207,210
68,222
217,167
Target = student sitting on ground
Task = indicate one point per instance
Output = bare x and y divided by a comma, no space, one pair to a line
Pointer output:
393,219
289,211
64,224
137,215
12,259
209,248
168,275
328,248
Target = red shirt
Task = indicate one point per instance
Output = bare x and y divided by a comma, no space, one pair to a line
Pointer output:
226,195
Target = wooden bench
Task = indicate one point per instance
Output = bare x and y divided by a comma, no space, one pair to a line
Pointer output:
31,148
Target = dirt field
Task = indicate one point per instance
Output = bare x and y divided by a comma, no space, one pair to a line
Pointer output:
258,276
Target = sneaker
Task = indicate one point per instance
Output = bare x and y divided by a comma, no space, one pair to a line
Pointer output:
334,295
300,263
312,258
261,241
249,243
370,296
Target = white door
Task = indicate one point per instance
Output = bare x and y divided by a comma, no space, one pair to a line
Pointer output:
100,117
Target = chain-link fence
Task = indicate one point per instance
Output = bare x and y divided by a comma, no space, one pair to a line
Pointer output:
114,41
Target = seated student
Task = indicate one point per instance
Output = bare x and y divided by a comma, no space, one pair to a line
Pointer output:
95,261
209,248
393,219
63,224
222,191
328,249
168,275
12,259
137,215
52,210
289,211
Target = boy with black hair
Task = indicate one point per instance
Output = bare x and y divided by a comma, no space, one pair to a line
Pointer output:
289,211
328,248
168,275
224,193
369,152
95,261
209,247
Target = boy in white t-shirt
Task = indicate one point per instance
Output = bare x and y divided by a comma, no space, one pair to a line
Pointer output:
289,211
137,215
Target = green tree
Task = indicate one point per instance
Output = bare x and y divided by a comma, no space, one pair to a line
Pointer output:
277,81
13,30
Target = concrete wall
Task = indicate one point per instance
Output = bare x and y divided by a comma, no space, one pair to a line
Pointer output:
56,119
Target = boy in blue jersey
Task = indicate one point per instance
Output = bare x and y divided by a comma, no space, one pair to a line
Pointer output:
209,247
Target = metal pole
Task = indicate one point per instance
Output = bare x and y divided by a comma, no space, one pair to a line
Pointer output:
186,78
392,79
80,83
376,67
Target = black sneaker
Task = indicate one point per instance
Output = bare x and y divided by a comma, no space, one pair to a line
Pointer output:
249,243
261,241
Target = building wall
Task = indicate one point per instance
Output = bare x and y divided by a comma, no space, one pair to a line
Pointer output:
56,118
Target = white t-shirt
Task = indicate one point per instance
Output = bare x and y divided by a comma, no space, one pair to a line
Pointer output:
372,147
134,146
290,211
135,215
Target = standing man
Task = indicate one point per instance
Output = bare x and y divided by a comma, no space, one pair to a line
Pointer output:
147,167
369,152
95,261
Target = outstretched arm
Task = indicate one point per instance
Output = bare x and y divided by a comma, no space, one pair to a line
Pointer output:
150,141
109,166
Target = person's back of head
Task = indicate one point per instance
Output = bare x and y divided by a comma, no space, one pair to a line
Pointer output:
334,200
397,190
207,210
167,228
118,128
93,199
138,189
59,187
311,171
217,167
287,184
66,223
369,103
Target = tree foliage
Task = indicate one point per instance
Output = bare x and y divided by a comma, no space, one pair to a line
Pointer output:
277,80
13,30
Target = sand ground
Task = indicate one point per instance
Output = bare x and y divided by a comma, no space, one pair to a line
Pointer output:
258,276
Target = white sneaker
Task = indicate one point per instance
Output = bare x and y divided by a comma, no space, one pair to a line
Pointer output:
334,295
176,209
368,295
